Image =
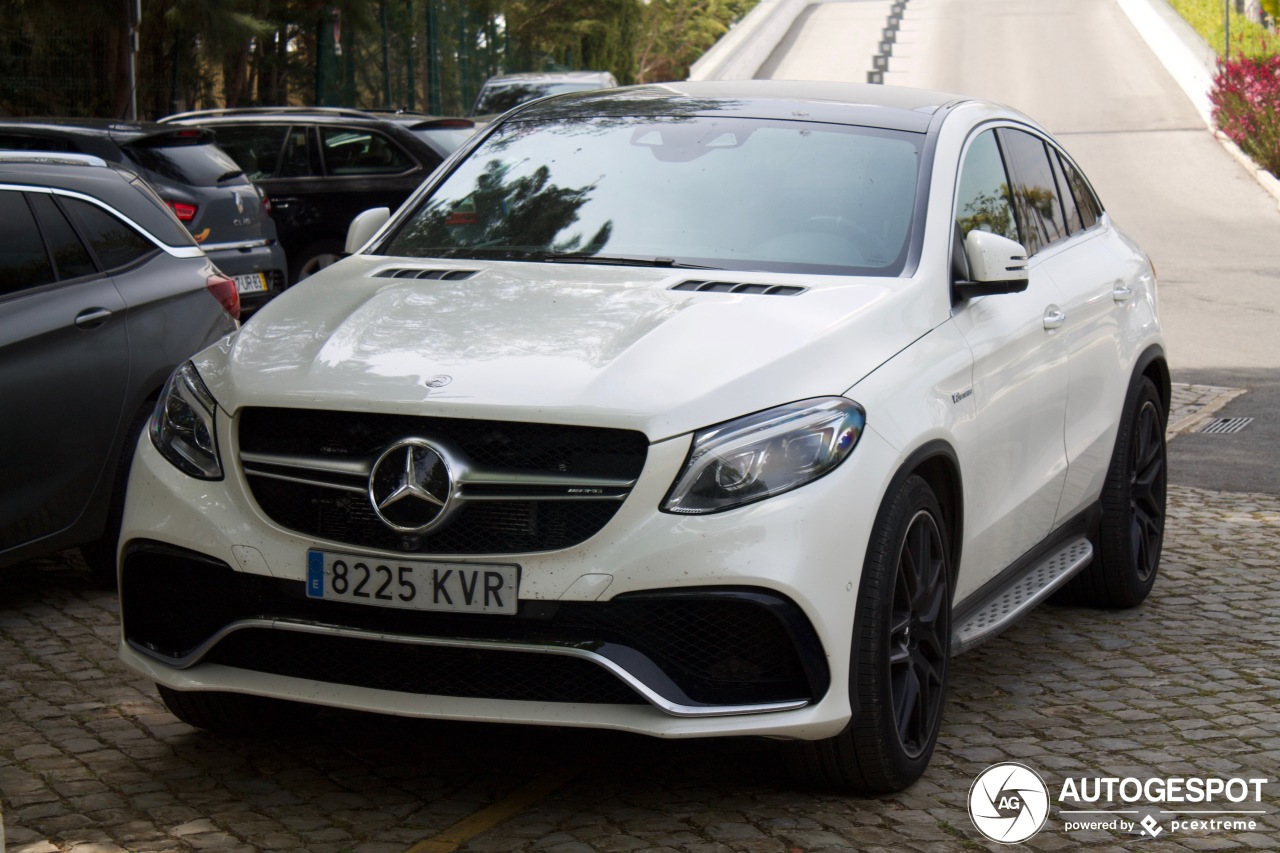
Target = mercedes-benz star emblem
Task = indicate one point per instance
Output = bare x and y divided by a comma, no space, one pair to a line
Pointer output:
410,486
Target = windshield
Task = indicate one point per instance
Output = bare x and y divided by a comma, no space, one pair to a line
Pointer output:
725,193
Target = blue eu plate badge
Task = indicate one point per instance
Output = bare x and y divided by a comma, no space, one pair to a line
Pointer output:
315,574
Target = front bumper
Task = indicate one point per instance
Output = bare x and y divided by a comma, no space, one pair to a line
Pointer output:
676,626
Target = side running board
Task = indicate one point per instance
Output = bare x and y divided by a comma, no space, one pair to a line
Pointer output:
1024,591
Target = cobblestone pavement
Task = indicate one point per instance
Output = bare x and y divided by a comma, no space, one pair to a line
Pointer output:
1186,685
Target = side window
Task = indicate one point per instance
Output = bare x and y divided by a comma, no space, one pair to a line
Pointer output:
1035,194
1086,202
115,243
69,255
296,161
1069,209
23,261
24,142
982,201
359,152
256,148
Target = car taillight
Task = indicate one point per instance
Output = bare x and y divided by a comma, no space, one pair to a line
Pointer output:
224,290
185,212
266,204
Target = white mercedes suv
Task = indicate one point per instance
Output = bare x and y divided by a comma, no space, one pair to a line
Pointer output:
687,409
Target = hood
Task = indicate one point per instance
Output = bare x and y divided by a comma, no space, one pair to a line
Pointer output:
557,343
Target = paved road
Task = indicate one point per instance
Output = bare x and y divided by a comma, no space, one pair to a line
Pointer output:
1081,69
1185,685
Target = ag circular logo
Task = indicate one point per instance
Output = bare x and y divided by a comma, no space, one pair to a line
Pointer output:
410,486
1009,802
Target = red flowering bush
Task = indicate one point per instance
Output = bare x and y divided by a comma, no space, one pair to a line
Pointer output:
1246,106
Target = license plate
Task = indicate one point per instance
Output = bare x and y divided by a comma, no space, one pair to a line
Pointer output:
413,584
251,283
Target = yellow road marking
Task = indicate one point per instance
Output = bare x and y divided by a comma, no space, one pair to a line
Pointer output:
485,819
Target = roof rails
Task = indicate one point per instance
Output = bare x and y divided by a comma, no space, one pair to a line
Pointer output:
344,112
53,158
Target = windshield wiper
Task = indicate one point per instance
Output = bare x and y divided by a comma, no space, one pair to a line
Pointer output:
617,260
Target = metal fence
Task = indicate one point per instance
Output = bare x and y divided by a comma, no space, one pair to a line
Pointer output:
429,56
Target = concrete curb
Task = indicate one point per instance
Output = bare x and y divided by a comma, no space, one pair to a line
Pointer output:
740,52
1192,64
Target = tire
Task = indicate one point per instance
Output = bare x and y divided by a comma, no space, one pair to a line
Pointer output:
232,713
901,648
314,258
101,554
1131,535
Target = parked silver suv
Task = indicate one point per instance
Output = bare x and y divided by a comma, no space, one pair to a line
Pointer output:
102,294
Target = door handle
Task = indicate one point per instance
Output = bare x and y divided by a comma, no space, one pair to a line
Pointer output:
1054,317
1122,292
282,203
92,318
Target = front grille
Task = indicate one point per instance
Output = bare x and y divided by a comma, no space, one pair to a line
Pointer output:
524,487
492,527
719,646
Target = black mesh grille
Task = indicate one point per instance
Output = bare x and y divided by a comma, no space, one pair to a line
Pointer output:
725,647
719,646
425,670
480,527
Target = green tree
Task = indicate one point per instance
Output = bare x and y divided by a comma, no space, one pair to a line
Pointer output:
674,33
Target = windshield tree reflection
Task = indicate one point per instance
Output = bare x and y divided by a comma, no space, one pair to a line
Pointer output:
715,191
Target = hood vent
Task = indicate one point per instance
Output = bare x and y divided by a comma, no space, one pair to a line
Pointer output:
418,272
731,287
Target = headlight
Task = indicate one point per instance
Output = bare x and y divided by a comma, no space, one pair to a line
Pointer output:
765,454
182,427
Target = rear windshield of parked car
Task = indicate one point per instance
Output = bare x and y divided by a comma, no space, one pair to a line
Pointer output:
197,165
726,193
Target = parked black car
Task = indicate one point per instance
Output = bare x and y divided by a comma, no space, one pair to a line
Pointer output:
501,93
102,295
322,166
207,190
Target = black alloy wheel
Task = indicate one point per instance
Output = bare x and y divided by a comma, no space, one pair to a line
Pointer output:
1147,489
1131,533
919,635
900,653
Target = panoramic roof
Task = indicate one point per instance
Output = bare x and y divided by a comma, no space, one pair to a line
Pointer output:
845,103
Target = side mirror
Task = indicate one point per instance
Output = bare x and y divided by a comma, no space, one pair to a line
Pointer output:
996,265
364,226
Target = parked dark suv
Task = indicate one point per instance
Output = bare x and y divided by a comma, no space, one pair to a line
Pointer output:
501,93
102,295
322,166
207,190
